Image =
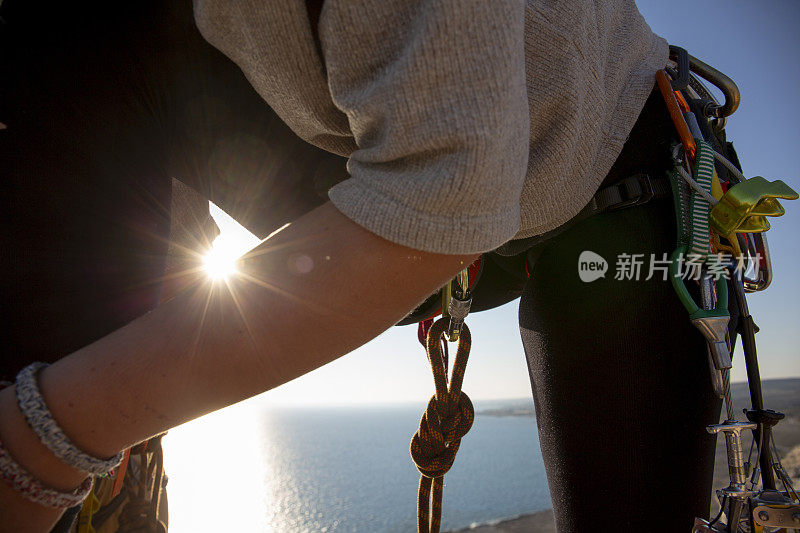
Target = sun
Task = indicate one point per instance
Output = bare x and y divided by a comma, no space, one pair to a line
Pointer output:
220,262
233,241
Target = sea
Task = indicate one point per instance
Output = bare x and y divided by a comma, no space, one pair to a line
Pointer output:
255,468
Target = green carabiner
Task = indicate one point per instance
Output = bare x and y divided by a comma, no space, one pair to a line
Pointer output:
695,311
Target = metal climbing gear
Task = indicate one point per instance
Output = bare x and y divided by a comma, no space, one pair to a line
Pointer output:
90,506
736,493
438,303
449,414
715,217
744,208
694,245
456,301
675,112
144,504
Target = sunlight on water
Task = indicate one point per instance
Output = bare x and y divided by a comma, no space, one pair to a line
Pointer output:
216,472
256,468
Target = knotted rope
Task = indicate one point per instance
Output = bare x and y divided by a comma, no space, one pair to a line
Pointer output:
447,419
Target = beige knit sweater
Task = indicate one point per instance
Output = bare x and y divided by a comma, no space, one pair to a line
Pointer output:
466,122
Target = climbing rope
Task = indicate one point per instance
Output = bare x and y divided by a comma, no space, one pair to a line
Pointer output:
446,420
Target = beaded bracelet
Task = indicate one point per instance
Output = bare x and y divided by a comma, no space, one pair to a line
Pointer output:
32,489
41,421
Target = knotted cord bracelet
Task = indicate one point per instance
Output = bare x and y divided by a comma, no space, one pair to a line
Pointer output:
32,489
41,421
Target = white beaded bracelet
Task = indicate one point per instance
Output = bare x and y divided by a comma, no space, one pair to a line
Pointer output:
41,421
32,489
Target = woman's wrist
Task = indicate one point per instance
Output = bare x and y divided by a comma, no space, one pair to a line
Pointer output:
26,449
32,405
19,513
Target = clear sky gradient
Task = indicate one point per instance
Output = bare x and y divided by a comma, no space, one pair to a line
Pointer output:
756,44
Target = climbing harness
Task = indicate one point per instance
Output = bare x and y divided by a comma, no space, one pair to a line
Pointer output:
721,254
449,414
721,220
131,498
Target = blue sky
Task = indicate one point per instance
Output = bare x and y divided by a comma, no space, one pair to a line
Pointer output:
756,44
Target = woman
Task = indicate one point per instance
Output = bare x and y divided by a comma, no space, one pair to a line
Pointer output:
465,125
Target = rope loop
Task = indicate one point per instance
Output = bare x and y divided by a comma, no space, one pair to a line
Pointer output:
435,444
447,418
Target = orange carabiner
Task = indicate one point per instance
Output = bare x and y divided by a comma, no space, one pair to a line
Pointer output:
682,104
675,113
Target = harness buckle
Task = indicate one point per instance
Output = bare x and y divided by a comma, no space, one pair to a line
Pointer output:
635,190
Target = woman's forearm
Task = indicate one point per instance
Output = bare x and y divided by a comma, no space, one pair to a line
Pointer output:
314,292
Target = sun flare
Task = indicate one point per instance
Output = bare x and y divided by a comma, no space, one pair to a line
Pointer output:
220,263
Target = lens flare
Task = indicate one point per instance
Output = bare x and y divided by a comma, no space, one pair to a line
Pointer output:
220,262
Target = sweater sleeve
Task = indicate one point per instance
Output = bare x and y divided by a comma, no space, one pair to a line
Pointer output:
435,95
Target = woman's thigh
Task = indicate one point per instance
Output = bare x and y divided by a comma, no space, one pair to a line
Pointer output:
620,380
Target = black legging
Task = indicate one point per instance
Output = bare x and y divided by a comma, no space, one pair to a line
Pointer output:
620,381
620,377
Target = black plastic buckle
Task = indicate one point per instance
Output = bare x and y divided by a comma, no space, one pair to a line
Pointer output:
645,193
681,57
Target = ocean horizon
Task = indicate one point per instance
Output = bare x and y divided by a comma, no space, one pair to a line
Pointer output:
254,469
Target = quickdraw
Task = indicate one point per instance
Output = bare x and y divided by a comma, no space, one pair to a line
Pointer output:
720,225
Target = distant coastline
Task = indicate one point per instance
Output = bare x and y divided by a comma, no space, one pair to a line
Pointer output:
537,522
508,411
515,407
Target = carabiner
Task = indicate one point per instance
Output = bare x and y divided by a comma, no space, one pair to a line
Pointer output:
695,311
722,82
675,113
712,323
456,304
